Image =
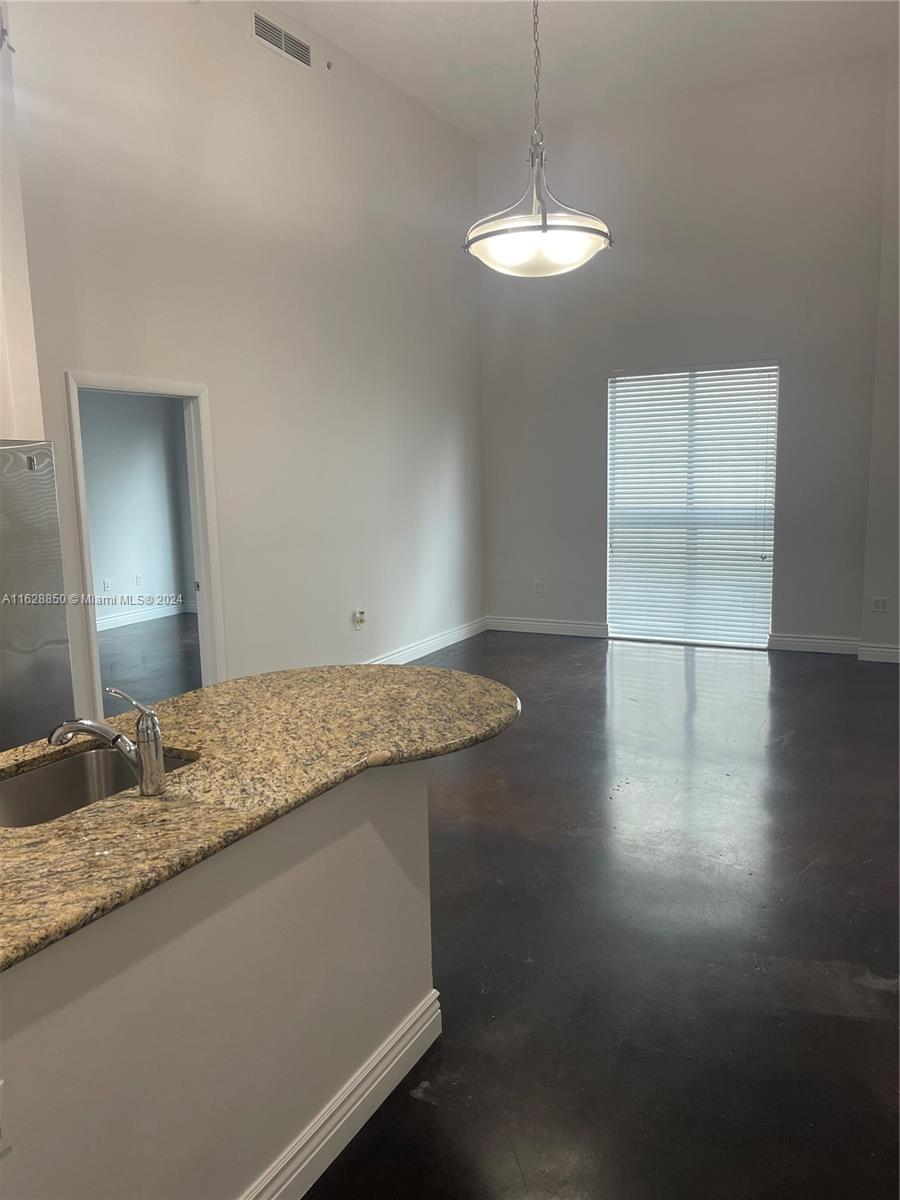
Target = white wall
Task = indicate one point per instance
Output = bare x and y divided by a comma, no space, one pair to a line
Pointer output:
198,208
20,396
747,226
135,460
177,1047
879,630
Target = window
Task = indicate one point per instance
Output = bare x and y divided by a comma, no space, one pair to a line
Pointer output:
691,505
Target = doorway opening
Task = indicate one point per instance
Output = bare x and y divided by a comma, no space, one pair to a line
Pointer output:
691,505
151,613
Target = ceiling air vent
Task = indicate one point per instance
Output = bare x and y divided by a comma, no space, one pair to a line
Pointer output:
276,38
297,49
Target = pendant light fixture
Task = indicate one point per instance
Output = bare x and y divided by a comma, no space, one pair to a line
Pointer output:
538,235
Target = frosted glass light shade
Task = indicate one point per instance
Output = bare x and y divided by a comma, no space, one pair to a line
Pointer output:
521,246
537,236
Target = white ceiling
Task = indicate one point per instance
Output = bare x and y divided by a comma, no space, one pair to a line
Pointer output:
471,62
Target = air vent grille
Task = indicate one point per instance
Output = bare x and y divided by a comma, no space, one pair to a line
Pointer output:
274,36
297,49
267,32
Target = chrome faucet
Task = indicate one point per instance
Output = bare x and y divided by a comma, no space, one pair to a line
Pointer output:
144,755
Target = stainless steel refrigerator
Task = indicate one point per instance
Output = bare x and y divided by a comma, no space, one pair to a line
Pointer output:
35,670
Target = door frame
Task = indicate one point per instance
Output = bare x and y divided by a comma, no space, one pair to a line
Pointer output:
86,679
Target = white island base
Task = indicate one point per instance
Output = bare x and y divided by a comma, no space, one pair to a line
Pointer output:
227,1033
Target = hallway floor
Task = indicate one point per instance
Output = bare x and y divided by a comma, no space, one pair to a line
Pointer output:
664,936
151,660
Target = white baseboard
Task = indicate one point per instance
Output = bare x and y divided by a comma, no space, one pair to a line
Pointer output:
439,641
878,652
133,616
430,644
817,645
867,652
297,1168
594,629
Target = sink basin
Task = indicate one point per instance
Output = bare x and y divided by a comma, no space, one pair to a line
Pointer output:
55,788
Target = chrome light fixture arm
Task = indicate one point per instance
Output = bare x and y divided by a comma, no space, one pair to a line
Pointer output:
539,186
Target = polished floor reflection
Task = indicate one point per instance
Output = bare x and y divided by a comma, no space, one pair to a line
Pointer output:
151,660
665,936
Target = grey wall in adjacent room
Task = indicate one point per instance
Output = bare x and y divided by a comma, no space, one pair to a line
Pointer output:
139,515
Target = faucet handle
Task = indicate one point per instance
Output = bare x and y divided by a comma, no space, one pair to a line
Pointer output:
148,747
136,704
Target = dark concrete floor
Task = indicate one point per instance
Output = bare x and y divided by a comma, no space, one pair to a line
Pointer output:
665,936
150,660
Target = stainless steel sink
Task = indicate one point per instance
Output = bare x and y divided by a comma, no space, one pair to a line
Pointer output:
43,793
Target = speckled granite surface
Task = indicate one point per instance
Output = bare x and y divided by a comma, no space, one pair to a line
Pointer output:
264,745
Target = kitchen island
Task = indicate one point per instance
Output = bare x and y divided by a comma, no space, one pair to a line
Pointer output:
226,1034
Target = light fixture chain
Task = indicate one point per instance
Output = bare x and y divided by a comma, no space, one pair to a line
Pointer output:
537,70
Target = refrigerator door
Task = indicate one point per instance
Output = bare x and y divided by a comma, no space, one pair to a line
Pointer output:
35,671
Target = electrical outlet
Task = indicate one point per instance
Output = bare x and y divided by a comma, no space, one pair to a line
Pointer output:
139,581
359,619
880,604
106,585
537,586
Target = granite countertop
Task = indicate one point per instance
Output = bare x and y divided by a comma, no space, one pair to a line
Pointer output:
263,745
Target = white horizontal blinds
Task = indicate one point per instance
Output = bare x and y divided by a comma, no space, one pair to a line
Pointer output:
691,504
